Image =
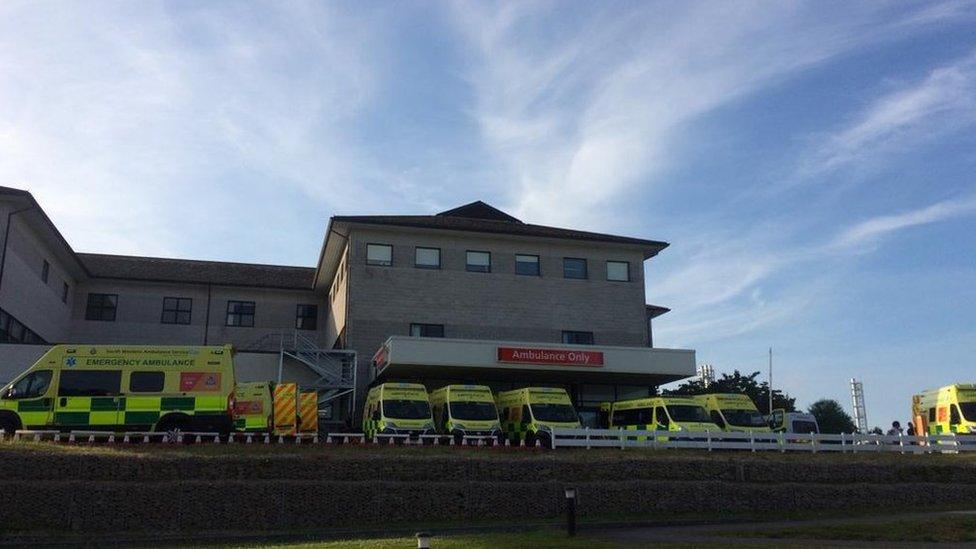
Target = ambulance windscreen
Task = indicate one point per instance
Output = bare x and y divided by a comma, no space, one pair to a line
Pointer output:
688,413
556,413
744,418
805,427
968,410
406,409
474,411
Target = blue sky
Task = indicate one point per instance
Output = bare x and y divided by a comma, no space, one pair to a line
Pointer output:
811,163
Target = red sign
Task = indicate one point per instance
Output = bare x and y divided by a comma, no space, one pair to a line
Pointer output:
565,357
381,357
199,381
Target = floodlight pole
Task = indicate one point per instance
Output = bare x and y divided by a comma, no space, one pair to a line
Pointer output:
770,380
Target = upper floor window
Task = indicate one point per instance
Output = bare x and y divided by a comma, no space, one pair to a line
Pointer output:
64,292
379,254
12,331
618,271
527,265
240,313
574,268
479,262
427,330
101,307
177,310
428,258
306,317
45,270
577,338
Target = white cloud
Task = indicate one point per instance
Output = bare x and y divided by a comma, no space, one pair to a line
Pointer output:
584,112
875,228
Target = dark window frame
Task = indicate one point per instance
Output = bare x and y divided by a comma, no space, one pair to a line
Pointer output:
574,334
45,271
627,263
176,312
142,388
65,388
97,312
239,315
586,268
64,291
538,265
468,265
379,263
431,267
301,320
422,326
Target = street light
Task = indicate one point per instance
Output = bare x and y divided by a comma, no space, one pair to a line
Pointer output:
570,493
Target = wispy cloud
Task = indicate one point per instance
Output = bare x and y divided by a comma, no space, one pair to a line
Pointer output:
593,108
871,230
944,101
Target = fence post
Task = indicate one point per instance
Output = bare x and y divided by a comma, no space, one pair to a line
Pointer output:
752,440
588,447
553,437
814,441
708,440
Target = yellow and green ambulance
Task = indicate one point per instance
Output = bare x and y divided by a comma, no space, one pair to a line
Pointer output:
530,414
734,412
465,410
397,409
946,410
657,414
123,388
253,406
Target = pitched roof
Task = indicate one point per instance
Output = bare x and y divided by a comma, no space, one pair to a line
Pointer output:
156,269
483,218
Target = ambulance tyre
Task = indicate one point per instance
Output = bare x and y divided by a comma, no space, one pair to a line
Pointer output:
9,423
173,425
530,439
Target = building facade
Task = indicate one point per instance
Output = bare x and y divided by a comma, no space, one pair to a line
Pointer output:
472,274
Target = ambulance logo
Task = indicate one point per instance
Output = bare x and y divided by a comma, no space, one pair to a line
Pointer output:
70,361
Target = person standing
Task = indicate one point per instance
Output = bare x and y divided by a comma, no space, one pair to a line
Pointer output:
895,429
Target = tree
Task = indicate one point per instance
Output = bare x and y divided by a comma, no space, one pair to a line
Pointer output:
831,417
738,383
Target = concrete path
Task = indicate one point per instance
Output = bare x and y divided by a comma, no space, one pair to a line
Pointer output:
709,535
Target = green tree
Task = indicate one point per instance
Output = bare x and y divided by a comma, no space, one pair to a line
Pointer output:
831,417
738,383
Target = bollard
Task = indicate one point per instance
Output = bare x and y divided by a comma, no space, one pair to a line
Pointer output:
508,443
57,437
125,439
216,439
315,438
16,436
423,540
281,439
570,494
37,437
91,439
298,439
71,437
249,439
328,439
230,438
111,438
145,438
198,440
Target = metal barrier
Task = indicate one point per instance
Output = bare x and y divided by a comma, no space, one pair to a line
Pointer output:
779,442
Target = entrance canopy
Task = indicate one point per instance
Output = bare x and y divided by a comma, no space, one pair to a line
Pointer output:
403,358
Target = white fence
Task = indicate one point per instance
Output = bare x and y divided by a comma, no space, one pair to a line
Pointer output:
777,442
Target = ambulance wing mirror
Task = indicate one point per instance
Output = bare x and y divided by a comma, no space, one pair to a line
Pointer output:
9,392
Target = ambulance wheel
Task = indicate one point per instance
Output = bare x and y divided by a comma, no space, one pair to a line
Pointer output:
8,425
174,427
530,440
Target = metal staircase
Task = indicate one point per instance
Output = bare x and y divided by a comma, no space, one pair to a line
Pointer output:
336,369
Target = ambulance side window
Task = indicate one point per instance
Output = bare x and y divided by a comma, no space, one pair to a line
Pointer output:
717,418
90,383
32,385
146,382
645,416
526,415
662,416
931,415
953,414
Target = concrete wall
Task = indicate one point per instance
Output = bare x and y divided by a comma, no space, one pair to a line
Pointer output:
23,293
501,305
140,305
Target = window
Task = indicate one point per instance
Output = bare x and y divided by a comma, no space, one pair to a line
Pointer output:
577,338
479,262
240,313
45,270
427,258
932,415
379,254
427,330
618,271
306,317
661,416
32,385
527,265
91,383
177,310
13,331
101,307
147,382
574,268
634,416
64,292
953,415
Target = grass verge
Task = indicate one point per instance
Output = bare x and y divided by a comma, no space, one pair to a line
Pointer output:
950,529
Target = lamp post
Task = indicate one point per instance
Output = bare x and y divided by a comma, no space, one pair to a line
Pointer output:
570,511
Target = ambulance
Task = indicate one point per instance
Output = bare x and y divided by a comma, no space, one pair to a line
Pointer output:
949,409
123,388
733,412
397,409
656,414
253,405
465,410
781,421
530,414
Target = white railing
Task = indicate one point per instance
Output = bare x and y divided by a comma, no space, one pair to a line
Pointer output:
778,442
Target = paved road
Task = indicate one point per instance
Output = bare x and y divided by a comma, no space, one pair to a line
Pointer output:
710,534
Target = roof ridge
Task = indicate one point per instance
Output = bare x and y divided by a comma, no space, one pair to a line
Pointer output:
145,257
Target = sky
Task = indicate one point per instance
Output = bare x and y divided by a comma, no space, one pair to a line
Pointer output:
811,164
